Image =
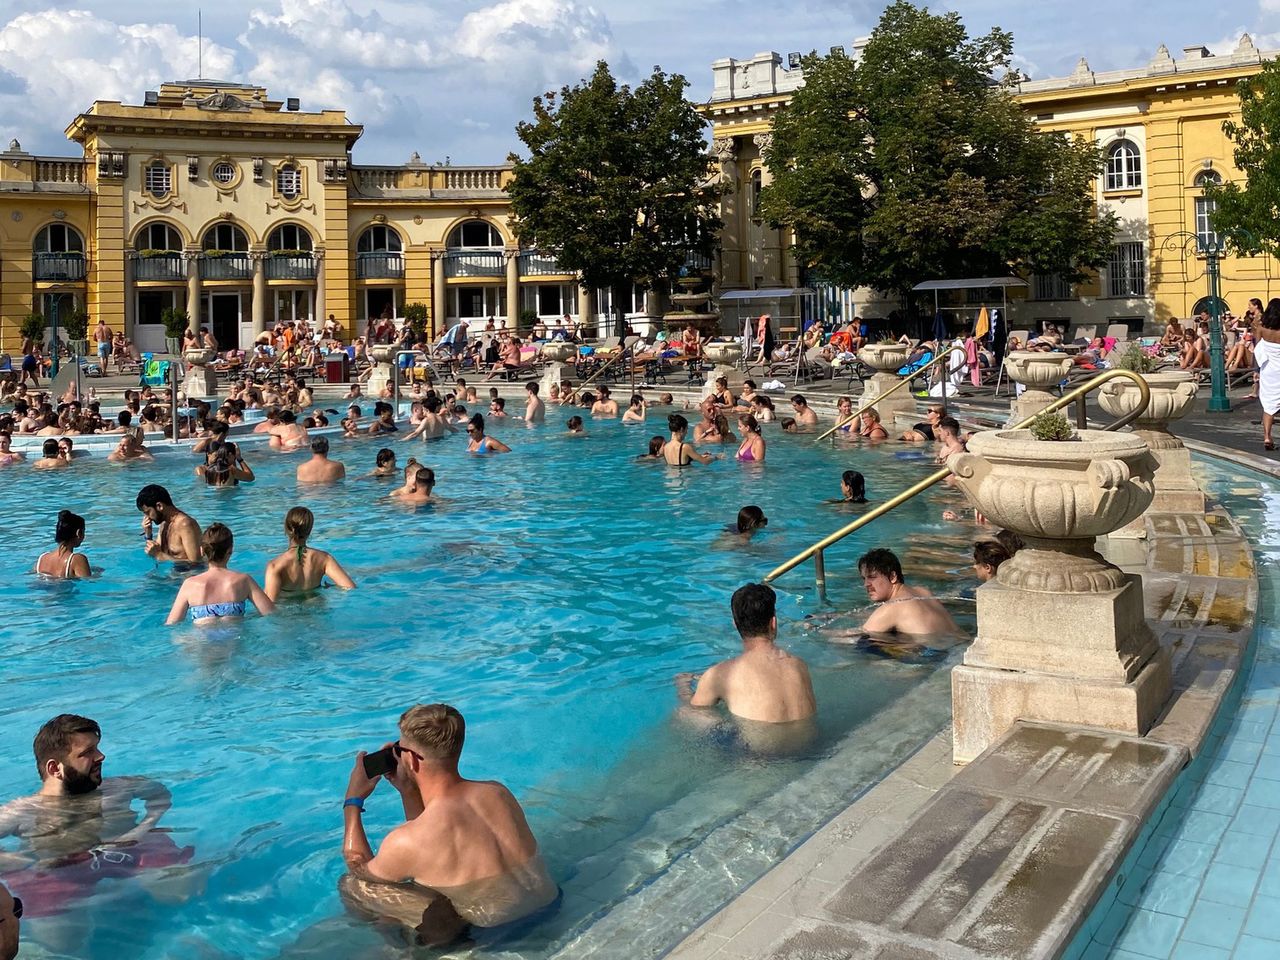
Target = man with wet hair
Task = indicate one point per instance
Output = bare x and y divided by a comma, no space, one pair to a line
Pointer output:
764,682
79,827
179,537
902,609
464,846
320,469
805,419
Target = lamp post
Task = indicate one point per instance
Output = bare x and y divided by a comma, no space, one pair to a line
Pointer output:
1211,246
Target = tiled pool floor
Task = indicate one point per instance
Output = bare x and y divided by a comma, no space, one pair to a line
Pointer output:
1207,885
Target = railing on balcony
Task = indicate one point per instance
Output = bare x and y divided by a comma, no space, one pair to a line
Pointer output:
539,265
472,178
290,266
226,266
697,263
55,170
458,263
379,265
376,178
59,267
164,267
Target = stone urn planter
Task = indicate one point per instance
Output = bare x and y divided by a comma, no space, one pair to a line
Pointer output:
383,356
1172,397
886,359
1037,373
555,353
725,354
1062,636
201,380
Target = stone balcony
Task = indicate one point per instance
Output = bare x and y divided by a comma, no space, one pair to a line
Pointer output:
421,181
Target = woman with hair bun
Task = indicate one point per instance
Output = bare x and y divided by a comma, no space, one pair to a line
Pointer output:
302,568
218,593
62,562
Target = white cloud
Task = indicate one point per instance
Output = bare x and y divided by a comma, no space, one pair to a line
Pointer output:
330,32
555,34
69,58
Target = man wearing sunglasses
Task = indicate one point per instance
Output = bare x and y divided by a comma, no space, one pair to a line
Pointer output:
80,829
464,856
10,912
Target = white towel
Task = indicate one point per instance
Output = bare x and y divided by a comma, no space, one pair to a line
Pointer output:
1267,356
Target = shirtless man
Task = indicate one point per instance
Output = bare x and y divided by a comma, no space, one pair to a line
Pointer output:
421,481
51,457
903,609
805,418
179,538
465,845
270,420
130,447
288,434
432,425
606,406
535,411
764,682
79,828
320,469
465,394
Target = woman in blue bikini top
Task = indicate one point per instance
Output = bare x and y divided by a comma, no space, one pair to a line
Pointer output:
218,593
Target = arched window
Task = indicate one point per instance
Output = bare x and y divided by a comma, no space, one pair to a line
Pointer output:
58,238
158,236
157,178
1206,237
475,234
289,236
289,181
225,236
757,184
1124,166
379,239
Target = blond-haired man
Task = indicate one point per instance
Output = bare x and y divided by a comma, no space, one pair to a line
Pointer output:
464,855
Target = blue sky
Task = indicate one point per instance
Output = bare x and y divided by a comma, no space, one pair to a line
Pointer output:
451,79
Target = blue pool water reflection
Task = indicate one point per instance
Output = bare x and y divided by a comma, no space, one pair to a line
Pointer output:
551,598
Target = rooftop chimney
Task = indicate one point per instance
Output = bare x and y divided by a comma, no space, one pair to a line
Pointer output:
1196,53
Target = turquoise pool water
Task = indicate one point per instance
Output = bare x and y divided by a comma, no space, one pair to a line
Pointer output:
552,599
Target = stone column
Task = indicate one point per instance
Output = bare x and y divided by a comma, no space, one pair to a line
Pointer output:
734,206
513,290
584,305
130,269
440,294
193,289
318,307
259,308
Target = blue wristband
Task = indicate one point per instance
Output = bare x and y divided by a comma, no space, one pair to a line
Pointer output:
357,802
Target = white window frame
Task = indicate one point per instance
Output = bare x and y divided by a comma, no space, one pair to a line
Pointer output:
156,175
1124,166
230,169
368,242
172,237
1050,286
1127,270
276,240
71,240
289,181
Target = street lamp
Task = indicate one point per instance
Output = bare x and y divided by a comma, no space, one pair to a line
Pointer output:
1211,246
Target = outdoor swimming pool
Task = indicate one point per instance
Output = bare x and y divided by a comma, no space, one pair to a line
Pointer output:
551,599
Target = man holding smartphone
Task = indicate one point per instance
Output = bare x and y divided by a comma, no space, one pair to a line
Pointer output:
179,536
464,856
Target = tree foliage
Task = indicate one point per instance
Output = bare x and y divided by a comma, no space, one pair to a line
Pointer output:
912,164
1249,214
618,182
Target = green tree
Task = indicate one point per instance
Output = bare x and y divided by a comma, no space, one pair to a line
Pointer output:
618,183
1249,213
912,164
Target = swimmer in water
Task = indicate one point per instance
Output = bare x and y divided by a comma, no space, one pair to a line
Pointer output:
655,449
576,427
903,609
750,519
751,450
384,465
62,562
301,568
871,427
50,458
987,557
7,456
478,443
219,593
635,410
433,424
764,682
418,490
179,536
464,856
677,451
853,488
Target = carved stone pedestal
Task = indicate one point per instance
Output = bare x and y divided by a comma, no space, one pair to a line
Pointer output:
886,359
555,352
725,356
1037,373
201,381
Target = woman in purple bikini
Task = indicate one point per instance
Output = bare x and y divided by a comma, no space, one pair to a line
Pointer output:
751,450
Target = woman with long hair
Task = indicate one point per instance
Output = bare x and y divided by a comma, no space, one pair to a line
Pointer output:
1267,355
751,450
62,562
302,568
218,593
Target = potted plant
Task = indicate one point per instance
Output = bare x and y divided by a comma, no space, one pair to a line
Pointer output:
33,327
527,318
77,326
415,314
1052,426
175,323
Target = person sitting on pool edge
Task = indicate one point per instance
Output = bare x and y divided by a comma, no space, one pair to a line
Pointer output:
464,856
902,609
179,537
79,828
764,682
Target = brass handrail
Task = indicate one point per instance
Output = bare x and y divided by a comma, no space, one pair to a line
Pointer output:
603,368
1068,398
894,389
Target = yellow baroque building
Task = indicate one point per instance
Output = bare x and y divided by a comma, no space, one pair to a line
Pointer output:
1159,126
212,198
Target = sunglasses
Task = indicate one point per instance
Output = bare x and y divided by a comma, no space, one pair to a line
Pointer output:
401,750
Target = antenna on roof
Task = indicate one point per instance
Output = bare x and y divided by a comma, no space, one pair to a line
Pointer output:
199,43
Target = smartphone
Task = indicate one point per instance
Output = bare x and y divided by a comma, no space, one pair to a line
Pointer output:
379,762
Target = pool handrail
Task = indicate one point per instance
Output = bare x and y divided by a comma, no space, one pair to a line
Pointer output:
907,378
816,550
605,366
